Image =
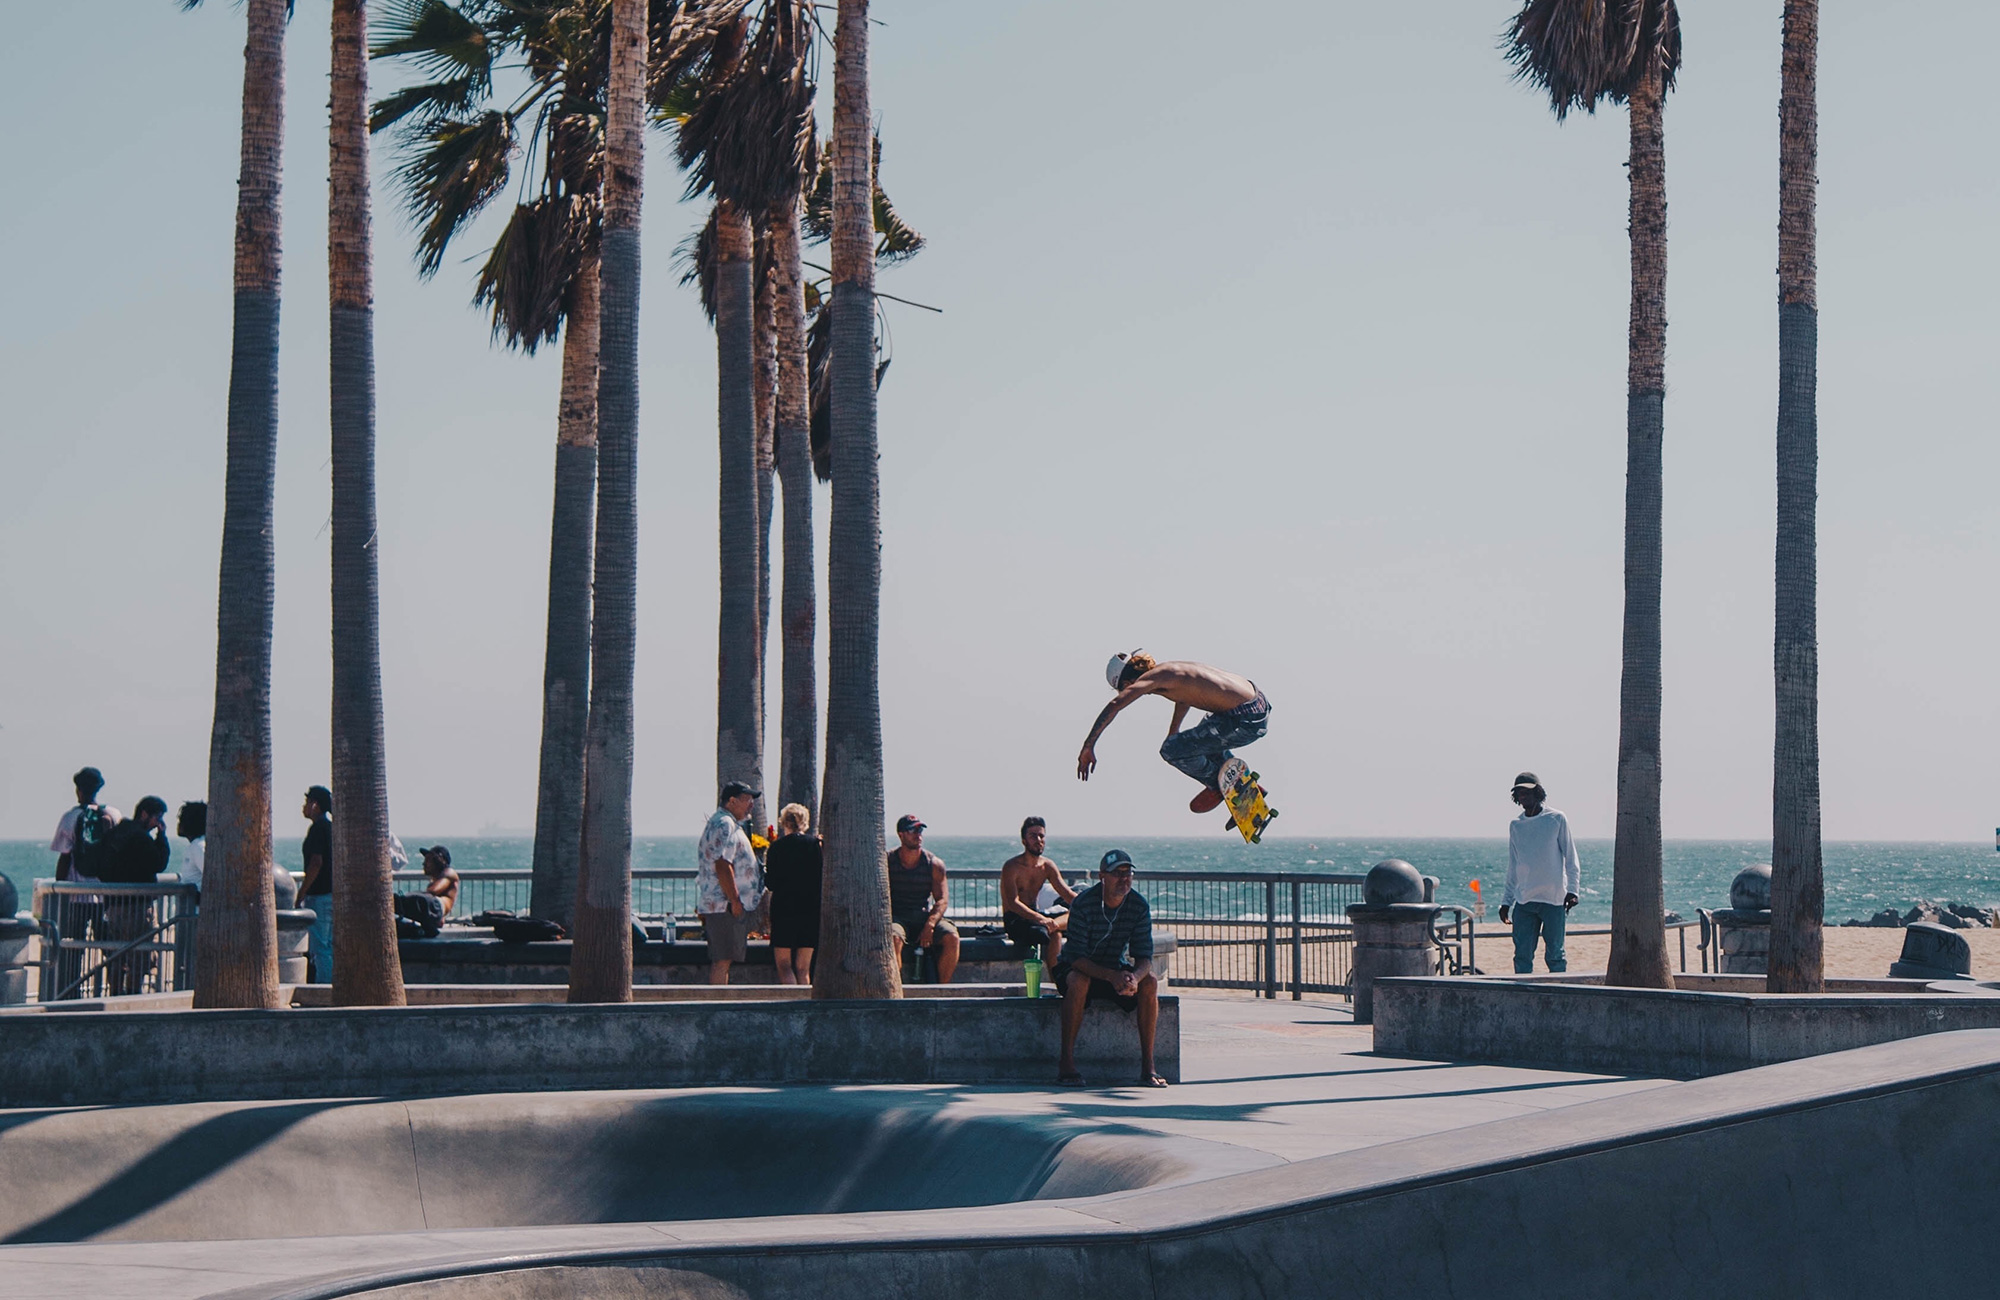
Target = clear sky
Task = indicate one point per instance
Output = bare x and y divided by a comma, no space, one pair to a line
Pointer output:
1288,336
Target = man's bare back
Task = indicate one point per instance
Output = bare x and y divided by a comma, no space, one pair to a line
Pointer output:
1188,684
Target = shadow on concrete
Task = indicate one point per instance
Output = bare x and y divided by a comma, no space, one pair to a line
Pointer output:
168,1170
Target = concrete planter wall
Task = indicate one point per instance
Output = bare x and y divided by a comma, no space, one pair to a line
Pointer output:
1671,1034
122,1058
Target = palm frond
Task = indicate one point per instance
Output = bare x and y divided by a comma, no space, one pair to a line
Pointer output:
528,275
745,129
696,256
459,166
437,37
429,99
1582,51
895,239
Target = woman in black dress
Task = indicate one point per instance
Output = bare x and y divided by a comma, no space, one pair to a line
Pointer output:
791,878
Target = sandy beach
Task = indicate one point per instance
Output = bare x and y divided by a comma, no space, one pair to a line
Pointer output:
1859,952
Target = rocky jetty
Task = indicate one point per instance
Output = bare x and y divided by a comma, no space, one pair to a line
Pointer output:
1956,916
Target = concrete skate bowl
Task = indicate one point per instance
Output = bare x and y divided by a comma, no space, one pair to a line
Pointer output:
1804,1180
249,1170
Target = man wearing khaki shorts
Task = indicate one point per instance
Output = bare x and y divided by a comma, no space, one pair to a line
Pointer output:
730,881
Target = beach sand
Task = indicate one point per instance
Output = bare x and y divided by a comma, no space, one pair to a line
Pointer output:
1859,952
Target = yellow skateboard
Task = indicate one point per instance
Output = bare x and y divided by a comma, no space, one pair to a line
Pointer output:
1245,799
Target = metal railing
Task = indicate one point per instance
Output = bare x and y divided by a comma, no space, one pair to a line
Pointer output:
1269,932
1273,933
104,940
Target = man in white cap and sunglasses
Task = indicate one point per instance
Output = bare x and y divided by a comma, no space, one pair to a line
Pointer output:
1543,877
1237,713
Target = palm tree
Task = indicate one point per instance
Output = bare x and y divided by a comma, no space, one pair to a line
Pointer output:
744,132
238,965
855,953
1797,888
367,970
798,614
1581,52
601,957
540,281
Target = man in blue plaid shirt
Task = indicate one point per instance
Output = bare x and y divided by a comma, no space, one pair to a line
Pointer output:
1109,954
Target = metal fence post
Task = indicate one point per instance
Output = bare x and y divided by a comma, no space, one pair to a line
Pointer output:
1270,938
1298,944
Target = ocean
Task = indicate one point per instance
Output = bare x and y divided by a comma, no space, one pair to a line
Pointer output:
1862,877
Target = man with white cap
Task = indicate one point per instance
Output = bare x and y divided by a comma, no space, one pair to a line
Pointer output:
1237,713
1543,877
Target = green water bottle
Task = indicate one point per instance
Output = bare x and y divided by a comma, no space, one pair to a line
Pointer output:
1032,971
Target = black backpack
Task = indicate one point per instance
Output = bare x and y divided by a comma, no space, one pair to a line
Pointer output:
93,837
419,916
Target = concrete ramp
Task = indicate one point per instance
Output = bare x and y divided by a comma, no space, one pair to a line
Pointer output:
247,1170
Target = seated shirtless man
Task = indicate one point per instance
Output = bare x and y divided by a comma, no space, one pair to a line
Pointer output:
1237,713
439,878
1021,879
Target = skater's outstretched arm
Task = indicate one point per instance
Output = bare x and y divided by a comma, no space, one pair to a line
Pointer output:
1086,759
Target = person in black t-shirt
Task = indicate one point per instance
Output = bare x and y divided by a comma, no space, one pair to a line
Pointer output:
792,880
316,890
135,853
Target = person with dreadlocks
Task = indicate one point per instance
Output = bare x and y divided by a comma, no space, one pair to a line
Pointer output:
1237,713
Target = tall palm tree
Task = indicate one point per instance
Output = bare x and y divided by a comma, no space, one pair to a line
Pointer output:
540,281
798,613
1797,886
238,965
855,954
744,132
764,391
367,970
1581,52
601,957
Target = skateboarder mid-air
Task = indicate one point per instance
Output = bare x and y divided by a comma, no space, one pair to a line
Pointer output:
1237,713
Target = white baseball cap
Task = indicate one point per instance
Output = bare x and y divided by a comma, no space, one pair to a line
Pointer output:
1116,668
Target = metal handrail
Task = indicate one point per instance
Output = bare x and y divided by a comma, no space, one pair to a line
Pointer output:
112,956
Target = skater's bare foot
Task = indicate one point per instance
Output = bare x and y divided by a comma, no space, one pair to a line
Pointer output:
1206,801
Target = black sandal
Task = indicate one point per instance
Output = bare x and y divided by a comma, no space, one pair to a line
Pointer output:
1152,1081
1070,1080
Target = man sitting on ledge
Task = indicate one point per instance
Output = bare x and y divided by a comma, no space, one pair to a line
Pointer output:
1109,954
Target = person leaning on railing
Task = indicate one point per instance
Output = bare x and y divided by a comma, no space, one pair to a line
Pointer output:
135,853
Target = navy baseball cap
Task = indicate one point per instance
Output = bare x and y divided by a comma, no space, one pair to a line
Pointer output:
1115,859
737,789
909,822
322,796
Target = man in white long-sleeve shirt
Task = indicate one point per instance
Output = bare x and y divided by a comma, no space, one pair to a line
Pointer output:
1543,876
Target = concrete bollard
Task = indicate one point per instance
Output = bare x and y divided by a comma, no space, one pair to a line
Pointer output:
15,932
294,929
1743,929
1392,931
1933,952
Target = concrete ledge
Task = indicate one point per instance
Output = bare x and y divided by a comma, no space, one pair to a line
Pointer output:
471,955
1640,1195
454,995
118,1058
1661,1033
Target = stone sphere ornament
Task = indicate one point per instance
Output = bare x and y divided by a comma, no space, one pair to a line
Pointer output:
1392,881
1751,890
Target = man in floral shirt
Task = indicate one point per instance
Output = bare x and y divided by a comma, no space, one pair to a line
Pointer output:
731,882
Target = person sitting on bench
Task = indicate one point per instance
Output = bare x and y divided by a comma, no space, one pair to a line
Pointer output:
1109,955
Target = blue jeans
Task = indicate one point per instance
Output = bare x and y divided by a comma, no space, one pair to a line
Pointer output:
1546,919
1202,749
319,940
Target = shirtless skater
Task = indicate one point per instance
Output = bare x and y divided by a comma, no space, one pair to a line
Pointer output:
1237,712
1021,879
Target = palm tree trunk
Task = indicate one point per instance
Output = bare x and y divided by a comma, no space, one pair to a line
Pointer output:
366,968
566,657
798,745
764,380
737,755
1797,884
601,958
238,936
1638,895
855,958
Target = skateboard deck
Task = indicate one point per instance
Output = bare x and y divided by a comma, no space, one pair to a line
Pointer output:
1245,798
